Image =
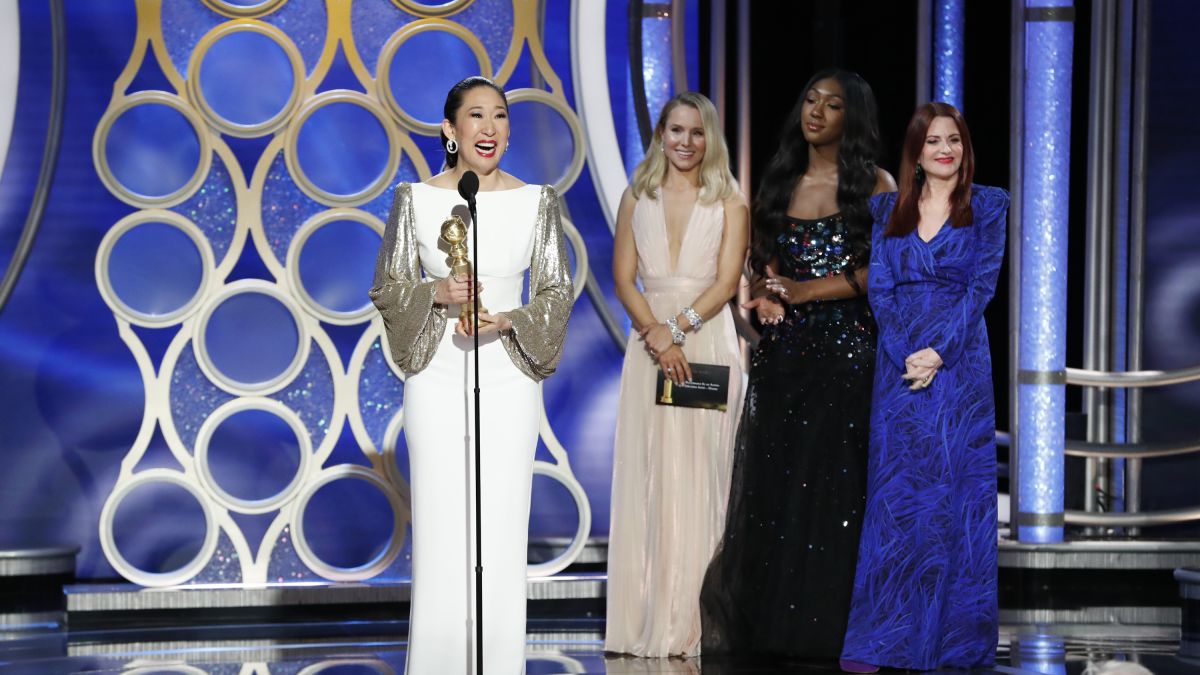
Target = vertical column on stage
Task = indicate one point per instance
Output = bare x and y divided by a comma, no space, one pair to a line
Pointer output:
949,18
940,27
1049,41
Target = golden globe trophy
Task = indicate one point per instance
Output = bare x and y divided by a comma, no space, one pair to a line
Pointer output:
454,231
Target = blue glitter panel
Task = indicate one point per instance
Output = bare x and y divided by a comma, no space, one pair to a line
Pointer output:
1049,47
492,22
311,395
284,208
380,393
306,23
193,397
286,564
214,209
372,22
225,566
183,24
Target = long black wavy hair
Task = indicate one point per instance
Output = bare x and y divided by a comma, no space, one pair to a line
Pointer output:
857,154
454,101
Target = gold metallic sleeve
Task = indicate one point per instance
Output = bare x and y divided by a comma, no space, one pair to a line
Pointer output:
539,328
413,321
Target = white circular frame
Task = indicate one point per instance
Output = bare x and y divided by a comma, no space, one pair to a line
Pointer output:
100,159
380,667
296,248
108,537
200,347
527,95
370,568
391,465
388,53
568,556
204,469
387,353
280,39
306,185
129,222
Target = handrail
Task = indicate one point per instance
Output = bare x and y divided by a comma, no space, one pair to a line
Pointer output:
1088,449
1115,450
1133,378
1138,519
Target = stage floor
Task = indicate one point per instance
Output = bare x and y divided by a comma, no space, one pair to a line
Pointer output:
558,645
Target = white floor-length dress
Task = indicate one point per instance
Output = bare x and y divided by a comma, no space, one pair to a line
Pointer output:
519,231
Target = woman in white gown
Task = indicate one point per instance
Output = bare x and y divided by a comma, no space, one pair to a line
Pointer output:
519,345
682,228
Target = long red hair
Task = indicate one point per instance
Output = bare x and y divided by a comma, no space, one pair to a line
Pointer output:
906,215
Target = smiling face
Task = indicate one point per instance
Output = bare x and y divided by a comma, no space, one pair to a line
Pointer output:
683,138
480,128
942,153
823,113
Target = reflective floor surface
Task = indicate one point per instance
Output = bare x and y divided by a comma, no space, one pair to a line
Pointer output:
555,646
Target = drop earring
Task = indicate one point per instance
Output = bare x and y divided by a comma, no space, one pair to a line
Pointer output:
919,174
451,146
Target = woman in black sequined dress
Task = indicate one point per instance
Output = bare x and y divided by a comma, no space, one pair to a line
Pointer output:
780,584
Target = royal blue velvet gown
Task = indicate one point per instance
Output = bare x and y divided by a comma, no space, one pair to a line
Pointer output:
925,586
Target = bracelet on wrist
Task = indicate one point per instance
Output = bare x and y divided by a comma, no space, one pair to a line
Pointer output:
677,336
693,318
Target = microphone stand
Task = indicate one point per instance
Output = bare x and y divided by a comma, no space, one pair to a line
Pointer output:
478,463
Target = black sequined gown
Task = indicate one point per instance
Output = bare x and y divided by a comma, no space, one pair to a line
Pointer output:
781,582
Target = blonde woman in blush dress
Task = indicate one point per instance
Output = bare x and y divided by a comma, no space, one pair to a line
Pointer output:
681,229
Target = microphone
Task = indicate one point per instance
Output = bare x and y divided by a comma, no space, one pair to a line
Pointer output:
468,185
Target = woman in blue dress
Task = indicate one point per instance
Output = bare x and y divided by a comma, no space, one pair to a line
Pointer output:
925,587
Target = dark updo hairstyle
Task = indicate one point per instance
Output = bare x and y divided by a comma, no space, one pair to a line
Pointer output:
857,153
454,101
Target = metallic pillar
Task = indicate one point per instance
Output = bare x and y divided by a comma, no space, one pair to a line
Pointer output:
924,50
1016,165
716,63
1139,116
743,96
1098,265
948,27
1049,39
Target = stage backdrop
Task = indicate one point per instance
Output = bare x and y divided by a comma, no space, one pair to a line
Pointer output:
193,384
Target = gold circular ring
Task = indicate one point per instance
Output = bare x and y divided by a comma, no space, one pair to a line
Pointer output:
425,9
241,12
